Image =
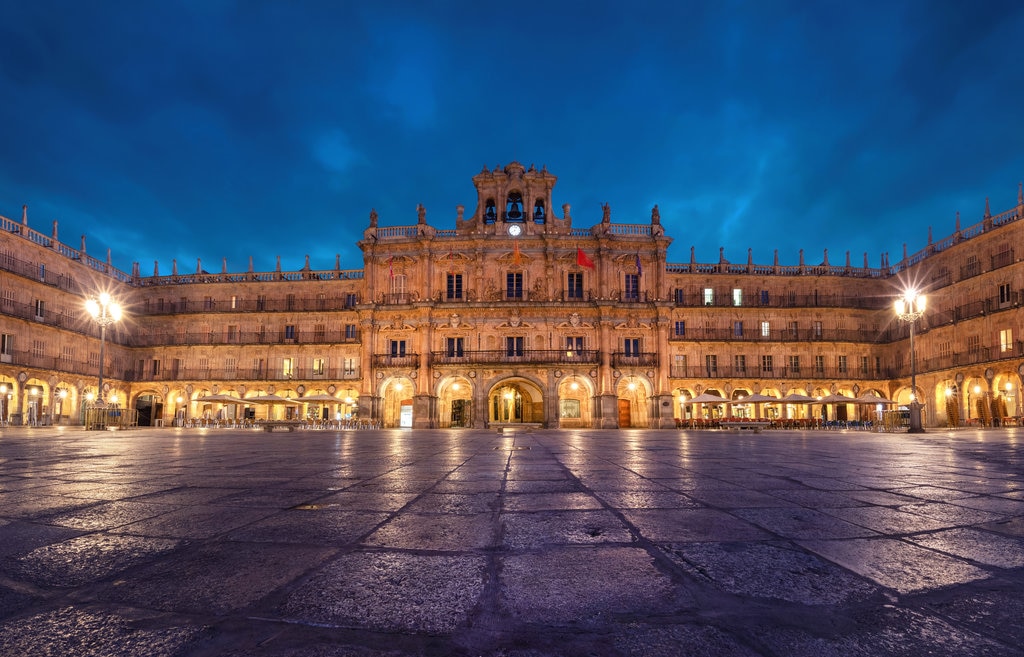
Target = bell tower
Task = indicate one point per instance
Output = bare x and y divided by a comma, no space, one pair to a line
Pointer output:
514,201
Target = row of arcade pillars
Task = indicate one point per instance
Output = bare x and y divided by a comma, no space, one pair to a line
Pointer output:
462,403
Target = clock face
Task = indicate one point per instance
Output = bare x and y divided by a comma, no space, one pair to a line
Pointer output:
514,230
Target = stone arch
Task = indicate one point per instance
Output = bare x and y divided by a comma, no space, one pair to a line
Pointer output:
575,401
455,401
516,399
396,393
634,394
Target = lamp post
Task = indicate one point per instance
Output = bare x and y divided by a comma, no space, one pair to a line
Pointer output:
105,312
910,308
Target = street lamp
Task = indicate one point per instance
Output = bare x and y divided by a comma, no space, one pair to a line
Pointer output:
909,309
105,312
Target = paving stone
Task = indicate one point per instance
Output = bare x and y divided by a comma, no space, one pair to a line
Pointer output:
436,532
311,526
896,564
83,633
89,558
773,571
582,585
214,579
979,546
524,531
390,592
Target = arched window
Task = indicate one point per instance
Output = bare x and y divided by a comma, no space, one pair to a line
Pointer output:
538,211
514,207
490,212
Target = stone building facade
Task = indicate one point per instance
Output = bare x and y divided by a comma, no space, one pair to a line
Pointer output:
516,316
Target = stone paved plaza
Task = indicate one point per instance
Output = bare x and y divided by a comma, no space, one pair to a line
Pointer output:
161,542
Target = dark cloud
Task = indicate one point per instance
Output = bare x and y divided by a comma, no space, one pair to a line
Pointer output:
205,130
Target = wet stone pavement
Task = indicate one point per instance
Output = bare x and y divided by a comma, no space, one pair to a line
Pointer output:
193,543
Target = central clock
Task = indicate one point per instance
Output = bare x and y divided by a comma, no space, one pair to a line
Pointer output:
514,230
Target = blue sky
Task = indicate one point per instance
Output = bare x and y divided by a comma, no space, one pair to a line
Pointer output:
228,129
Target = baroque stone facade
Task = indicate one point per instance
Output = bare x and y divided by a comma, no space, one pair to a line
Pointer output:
515,316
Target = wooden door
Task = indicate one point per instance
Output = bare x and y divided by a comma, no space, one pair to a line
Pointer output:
625,420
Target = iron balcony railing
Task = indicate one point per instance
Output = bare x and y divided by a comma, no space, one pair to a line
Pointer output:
503,356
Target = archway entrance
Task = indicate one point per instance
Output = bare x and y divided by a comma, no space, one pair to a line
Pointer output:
398,402
456,403
515,401
632,405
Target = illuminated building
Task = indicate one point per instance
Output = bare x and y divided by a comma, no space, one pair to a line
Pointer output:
515,315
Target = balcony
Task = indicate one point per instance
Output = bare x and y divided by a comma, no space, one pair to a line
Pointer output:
403,361
643,359
505,356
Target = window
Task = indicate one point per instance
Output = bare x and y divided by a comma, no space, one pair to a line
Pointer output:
680,328
679,365
319,367
864,367
739,364
38,348
455,347
631,346
1005,296
680,296
40,308
397,348
514,285
764,297
287,367
878,365
766,329
794,364
207,303
232,335
350,300
1006,340
709,296
631,290
842,364
737,296
737,329
819,364
7,298
6,347
261,302
711,365
398,285
350,367
573,345
766,363
454,286
229,366
574,285
973,344
514,346
319,332
289,332
350,331
817,330
794,330
234,303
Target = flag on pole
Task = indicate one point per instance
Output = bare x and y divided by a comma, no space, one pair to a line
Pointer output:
516,258
639,269
582,260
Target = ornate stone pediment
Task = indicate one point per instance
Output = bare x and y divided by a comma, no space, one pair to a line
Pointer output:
397,323
455,321
631,324
574,322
